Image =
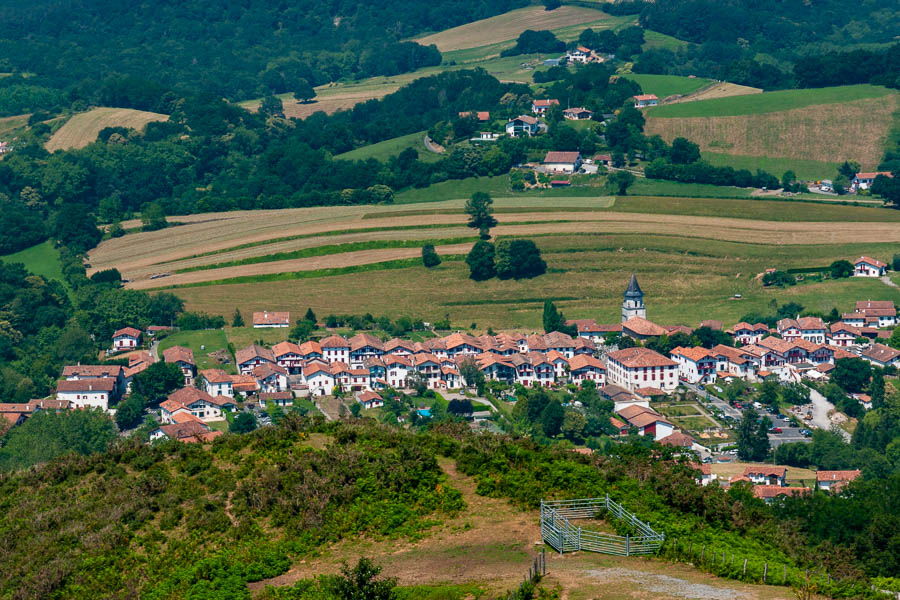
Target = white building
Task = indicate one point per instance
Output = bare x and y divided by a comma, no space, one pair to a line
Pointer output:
271,319
634,368
562,162
127,338
87,393
695,365
865,266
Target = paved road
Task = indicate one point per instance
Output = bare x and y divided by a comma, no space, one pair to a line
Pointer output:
433,146
821,407
154,350
720,404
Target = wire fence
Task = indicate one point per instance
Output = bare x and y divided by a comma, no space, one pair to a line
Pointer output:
538,569
558,532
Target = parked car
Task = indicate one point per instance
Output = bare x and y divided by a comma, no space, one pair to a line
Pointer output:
805,432
775,430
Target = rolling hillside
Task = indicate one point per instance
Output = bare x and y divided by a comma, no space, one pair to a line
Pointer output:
82,129
808,131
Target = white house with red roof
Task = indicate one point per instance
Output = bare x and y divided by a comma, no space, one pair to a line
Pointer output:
747,333
645,100
195,402
587,368
288,355
216,382
647,421
87,393
877,313
184,358
540,107
127,338
863,181
633,368
833,481
865,266
251,357
695,365
115,372
523,124
270,377
335,348
842,335
562,162
319,379
266,319
369,399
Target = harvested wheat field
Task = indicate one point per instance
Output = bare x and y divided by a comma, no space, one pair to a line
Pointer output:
836,132
716,90
508,26
492,544
82,129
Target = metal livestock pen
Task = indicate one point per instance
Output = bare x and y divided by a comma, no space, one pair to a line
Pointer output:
559,533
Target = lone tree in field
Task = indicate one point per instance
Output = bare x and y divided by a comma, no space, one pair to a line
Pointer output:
684,151
304,92
430,256
480,208
310,316
554,320
153,218
481,261
271,106
237,320
620,181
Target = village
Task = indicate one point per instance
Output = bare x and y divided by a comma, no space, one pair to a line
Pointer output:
675,398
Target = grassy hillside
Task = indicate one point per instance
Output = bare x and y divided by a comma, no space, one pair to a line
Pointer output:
805,169
509,25
42,259
82,129
807,131
384,150
768,102
668,85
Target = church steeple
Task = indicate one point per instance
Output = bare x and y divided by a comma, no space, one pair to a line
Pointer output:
633,304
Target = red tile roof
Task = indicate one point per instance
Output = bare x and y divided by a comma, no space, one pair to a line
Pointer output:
253,351
871,261
215,375
334,341
284,348
271,318
837,475
562,157
178,354
128,331
643,327
772,491
94,384
640,357
92,371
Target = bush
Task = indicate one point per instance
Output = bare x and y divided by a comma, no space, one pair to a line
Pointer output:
193,321
519,259
430,256
481,261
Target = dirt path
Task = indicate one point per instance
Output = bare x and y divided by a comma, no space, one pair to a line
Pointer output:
887,281
492,543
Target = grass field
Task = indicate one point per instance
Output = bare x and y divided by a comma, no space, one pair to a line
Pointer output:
654,39
509,25
82,129
807,126
42,259
668,85
804,169
384,150
201,342
769,102
9,124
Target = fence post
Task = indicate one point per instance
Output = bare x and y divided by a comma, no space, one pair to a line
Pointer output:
703,553
732,559
627,544
765,571
579,538
783,574
691,550
745,566
544,559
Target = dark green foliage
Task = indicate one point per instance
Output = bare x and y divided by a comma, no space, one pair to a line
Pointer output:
851,374
554,320
76,228
840,269
304,92
876,388
620,181
192,321
362,583
518,259
130,411
20,228
709,338
888,188
157,381
460,407
237,320
107,276
752,437
310,316
302,330
481,261
552,4
271,106
551,418
153,217
430,256
244,422
779,278
47,434
703,172
472,375
684,151
531,42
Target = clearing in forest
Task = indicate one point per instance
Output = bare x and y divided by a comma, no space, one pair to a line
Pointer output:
509,25
82,129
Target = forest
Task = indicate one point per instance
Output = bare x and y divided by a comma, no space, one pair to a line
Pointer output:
236,50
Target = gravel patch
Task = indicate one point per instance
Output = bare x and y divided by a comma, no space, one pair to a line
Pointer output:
665,584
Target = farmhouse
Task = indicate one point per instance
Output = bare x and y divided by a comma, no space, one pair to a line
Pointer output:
645,100
251,357
587,368
270,377
334,347
184,358
580,54
863,181
195,402
811,329
695,365
766,475
706,474
877,313
562,162
319,379
647,421
881,355
522,124
114,372
833,481
842,335
540,107
271,319
270,399
869,267
127,338
632,368
289,356
369,400
746,333
603,159
87,393
768,493
216,382
189,430
577,114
